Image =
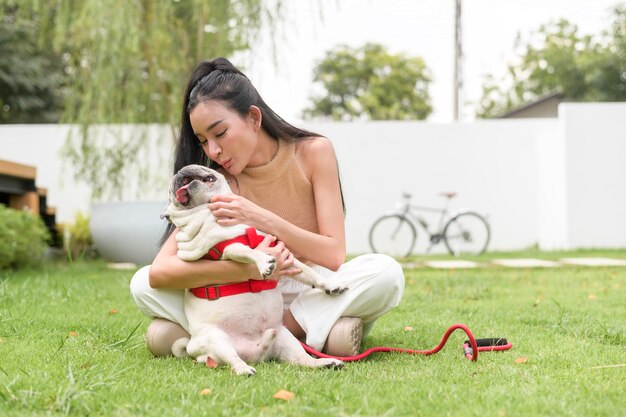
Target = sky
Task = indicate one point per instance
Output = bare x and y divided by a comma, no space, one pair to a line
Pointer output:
415,27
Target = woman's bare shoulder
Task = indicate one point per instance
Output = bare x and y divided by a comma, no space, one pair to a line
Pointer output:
318,146
315,154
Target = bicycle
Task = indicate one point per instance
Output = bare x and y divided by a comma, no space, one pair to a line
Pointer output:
463,233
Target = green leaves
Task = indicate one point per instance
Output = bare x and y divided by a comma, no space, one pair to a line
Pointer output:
24,238
125,62
558,58
370,83
30,76
128,61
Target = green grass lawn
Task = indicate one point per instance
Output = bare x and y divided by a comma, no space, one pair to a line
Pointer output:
529,253
72,344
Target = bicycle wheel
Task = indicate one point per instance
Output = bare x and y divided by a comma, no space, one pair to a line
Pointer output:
466,234
393,235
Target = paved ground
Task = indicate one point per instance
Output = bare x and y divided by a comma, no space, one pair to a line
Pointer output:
465,264
518,263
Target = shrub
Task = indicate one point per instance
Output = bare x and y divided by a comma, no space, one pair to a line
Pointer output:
77,237
23,238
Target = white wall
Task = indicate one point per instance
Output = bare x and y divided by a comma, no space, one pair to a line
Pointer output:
40,146
551,191
596,173
491,165
553,182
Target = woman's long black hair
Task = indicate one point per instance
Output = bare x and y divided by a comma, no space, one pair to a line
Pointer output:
219,79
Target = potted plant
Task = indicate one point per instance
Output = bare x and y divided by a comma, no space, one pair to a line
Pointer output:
126,167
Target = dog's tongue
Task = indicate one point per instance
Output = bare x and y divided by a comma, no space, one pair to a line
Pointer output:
182,196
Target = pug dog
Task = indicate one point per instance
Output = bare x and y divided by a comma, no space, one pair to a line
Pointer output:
237,329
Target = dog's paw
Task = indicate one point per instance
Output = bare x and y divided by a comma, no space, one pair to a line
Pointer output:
244,369
330,363
266,266
338,289
332,288
189,256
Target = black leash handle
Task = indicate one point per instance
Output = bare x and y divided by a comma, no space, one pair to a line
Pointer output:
486,344
490,341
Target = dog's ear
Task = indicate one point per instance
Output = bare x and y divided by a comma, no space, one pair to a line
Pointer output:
166,214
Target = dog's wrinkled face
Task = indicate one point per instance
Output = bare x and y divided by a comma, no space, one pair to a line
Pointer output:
196,184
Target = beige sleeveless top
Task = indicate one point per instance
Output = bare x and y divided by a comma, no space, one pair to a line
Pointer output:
281,187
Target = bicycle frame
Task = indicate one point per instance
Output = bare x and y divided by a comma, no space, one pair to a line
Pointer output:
410,211
449,229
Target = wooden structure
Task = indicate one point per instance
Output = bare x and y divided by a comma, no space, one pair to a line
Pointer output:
18,191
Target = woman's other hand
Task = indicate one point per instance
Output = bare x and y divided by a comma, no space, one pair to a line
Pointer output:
231,209
284,258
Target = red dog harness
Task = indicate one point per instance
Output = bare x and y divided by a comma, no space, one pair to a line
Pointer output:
213,292
251,238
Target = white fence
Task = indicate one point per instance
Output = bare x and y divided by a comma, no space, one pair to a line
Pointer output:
556,183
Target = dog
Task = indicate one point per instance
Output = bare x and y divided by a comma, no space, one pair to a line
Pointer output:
241,328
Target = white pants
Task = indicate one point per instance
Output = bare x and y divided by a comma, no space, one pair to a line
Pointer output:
375,285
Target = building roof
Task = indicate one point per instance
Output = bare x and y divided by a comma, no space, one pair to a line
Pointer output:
17,178
555,96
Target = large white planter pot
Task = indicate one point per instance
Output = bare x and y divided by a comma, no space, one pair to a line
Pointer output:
127,231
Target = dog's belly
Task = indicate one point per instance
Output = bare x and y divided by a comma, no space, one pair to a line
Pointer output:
244,317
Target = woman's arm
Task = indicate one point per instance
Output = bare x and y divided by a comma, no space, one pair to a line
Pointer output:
169,271
328,248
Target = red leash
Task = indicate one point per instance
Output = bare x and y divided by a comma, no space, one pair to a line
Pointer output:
470,348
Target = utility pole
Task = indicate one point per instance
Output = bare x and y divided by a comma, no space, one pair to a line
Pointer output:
458,61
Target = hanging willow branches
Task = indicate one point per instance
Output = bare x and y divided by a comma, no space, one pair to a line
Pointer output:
126,62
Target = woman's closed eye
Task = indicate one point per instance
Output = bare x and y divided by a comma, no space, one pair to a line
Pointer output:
220,134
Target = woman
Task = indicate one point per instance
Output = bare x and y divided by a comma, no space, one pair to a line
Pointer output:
287,184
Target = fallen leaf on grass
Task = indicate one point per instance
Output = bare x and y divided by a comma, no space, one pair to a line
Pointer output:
522,359
1,339
206,391
113,311
408,329
592,296
73,334
284,395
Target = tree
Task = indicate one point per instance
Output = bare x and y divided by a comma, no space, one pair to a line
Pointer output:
557,58
608,80
31,79
370,83
128,61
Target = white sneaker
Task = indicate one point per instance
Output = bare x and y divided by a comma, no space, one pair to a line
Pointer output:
345,337
162,334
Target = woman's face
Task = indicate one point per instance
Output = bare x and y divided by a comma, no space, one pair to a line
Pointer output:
226,137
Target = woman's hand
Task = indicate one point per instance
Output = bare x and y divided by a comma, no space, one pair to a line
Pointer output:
231,209
284,258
